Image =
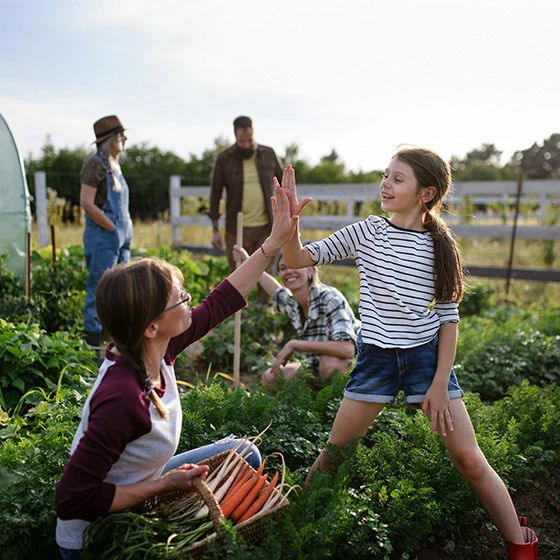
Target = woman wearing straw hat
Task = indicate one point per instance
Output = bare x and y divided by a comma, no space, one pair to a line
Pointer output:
104,197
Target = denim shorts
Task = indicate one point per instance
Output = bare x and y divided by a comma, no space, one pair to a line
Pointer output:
380,373
253,457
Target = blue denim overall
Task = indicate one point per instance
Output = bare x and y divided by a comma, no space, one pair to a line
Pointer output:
104,249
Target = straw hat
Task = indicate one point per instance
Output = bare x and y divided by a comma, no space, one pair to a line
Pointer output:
105,127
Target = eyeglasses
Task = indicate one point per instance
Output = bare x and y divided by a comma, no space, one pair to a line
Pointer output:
185,298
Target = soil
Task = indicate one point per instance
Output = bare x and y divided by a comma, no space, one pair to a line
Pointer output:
539,502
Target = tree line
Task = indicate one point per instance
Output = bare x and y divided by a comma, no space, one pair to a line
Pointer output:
147,169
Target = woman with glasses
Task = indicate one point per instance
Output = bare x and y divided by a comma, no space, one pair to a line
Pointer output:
123,451
104,198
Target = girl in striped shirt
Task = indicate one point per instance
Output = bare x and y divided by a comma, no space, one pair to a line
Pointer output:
411,283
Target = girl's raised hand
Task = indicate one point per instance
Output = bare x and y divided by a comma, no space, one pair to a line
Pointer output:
289,186
284,223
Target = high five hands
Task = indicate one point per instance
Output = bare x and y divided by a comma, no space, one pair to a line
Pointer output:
289,187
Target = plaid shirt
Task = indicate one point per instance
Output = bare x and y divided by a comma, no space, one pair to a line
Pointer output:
330,316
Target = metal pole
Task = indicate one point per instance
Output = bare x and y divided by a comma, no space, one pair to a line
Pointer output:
237,336
41,208
514,231
175,209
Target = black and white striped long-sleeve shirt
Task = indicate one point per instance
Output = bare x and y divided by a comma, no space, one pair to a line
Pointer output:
397,291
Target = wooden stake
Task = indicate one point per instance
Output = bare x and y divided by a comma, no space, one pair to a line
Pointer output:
53,255
514,231
27,286
237,336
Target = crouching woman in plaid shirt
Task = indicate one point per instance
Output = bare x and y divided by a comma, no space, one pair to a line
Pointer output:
325,324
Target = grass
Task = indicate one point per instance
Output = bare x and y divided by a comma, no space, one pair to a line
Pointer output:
475,252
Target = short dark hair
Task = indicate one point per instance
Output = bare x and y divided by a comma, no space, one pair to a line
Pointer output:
242,122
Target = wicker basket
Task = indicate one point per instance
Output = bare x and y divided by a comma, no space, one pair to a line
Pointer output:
253,529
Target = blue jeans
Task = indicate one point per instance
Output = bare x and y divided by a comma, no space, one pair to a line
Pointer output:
201,453
102,250
69,553
380,373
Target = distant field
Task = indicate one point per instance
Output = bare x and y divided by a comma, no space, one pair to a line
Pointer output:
475,252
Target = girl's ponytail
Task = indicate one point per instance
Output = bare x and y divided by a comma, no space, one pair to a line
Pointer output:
448,270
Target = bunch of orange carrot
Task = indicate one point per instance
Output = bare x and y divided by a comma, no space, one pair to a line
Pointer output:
242,491
248,494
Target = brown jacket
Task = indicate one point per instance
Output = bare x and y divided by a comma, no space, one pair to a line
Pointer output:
228,173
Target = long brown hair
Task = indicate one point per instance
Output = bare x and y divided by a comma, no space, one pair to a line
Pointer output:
431,170
129,297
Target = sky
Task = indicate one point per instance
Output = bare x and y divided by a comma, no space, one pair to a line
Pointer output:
356,76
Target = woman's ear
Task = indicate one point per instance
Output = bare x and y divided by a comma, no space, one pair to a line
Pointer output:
310,274
428,194
151,331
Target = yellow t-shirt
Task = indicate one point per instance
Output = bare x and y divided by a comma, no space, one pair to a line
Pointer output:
254,210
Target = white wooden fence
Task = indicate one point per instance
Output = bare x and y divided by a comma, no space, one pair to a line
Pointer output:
540,193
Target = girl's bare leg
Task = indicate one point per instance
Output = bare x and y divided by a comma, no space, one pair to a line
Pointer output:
352,421
472,464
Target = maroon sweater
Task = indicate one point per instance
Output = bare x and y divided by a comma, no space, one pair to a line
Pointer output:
121,438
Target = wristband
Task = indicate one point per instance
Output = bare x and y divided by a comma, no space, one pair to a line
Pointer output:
265,255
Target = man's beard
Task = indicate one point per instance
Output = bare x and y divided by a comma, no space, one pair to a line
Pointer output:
246,153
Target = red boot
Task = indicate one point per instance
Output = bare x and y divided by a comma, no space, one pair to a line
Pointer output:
529,550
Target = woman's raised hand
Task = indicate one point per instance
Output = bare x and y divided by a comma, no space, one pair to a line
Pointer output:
289,186
284,227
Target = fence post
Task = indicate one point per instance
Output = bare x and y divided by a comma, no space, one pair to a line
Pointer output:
41,208
542,204
350,209
175,209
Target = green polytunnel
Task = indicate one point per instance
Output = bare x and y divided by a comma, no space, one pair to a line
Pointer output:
15,213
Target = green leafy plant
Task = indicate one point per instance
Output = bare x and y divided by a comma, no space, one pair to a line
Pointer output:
57,294
201,275
477,299
31,360
10,285
396,494
34,451
494,353
262,333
